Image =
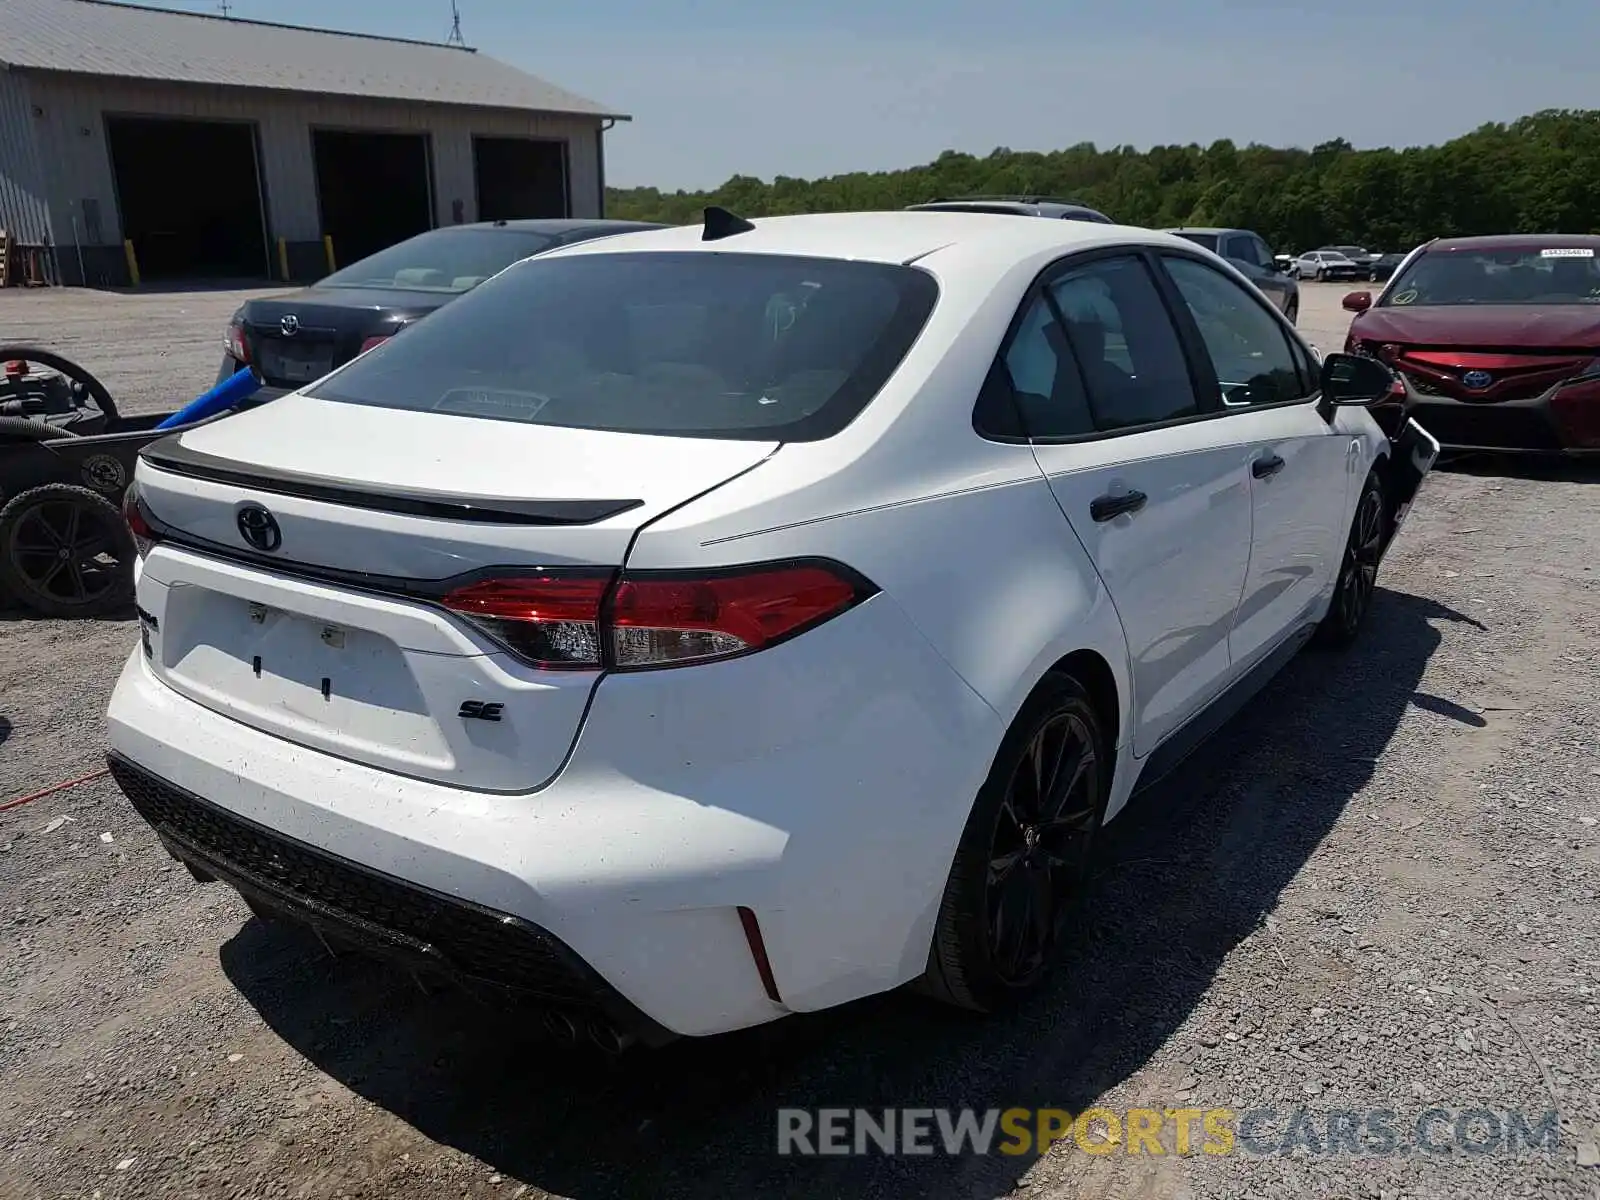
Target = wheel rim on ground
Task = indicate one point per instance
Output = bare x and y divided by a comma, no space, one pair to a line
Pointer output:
1360,577
66,552
1039,846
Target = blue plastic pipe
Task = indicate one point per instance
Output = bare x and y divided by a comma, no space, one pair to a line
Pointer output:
220,398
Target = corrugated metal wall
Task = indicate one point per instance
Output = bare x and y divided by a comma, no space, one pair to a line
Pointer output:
72,138
24,213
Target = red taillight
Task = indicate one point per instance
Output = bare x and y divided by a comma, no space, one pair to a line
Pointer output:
548,620
564,621
144,535
233,342
658,621
374,341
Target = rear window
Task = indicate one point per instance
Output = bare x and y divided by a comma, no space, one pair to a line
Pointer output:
699,344
1206,241
443,260
1551,275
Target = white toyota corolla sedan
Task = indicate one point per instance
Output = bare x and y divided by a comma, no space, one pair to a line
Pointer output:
699,626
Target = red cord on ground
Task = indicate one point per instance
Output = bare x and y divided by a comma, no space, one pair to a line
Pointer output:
54,788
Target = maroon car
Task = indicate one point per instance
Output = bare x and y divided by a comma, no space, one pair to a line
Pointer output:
1497,340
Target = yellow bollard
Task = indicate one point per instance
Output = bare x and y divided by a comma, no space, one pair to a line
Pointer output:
283,258
133,261
327,247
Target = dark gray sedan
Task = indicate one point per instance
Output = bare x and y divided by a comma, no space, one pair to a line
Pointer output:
293,338
1247,253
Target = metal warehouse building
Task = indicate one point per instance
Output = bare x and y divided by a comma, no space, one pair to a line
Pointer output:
190,146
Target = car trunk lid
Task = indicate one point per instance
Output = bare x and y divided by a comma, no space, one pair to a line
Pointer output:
333,632
295,340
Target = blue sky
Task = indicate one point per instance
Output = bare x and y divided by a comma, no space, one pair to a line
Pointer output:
758,88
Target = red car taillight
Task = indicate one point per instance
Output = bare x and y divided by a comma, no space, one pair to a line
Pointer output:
565,621
233,342
374,341
144,535
551,621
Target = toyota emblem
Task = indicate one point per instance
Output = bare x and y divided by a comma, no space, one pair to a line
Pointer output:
290,324
259,528
1477,380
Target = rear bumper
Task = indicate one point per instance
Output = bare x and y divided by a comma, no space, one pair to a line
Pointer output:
483,950
820,785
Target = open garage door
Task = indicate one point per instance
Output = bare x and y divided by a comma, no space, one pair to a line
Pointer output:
373,189
189,197
520,177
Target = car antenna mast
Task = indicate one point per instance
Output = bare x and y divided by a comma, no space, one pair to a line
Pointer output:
455,38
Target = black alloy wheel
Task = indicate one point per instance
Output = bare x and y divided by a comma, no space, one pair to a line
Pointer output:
1039,845
1358,571
1022,866
66,552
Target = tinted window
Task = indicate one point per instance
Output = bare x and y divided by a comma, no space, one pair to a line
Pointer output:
757,346
1046,385
443,260
1206,241
1555,275
1249,349
1119,332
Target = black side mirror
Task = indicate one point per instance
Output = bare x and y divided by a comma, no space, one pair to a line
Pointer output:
1355,379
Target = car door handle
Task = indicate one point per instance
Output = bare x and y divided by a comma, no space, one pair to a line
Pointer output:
1263,467
1104,508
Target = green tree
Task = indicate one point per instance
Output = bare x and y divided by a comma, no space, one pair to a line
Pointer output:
1538,174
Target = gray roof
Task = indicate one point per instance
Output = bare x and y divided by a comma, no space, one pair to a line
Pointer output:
96,37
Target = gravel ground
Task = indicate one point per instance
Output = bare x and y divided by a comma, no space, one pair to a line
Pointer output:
153,349
1376,888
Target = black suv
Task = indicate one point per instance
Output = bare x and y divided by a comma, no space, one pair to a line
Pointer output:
1022,206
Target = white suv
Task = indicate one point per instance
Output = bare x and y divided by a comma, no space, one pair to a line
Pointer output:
695,627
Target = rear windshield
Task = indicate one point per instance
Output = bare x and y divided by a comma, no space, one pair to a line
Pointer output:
1206,241
1554,275
443,260
701,344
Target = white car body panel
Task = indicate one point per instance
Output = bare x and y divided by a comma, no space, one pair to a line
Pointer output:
631,815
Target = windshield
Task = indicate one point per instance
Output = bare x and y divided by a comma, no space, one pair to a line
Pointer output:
700,344
1347,251
442,260
1207,241
1556,275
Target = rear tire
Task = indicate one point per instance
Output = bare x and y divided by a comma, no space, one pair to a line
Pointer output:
1293,312
1022,864
1358,569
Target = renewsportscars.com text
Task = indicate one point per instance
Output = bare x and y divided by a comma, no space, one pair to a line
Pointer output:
1262,1131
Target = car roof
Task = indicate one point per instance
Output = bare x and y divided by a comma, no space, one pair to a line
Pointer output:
1518,241
1218,229
883,237
1018,204
555,226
